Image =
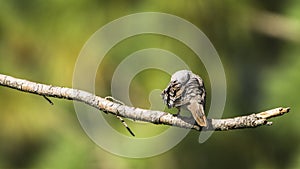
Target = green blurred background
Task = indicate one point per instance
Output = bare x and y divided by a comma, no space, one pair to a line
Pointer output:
259,45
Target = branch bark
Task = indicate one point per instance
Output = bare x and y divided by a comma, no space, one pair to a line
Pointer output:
155,117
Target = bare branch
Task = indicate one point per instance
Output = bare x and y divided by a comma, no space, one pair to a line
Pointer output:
277,26
155,117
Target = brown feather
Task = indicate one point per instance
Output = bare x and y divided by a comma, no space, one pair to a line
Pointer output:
198,112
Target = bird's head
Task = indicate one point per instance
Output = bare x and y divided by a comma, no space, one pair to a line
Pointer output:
180,77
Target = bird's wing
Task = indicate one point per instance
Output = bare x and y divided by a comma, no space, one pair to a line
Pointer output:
202,88
197,111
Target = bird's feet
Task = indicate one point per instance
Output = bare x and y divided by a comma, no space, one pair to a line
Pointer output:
178,116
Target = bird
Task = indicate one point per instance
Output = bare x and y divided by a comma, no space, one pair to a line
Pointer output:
186,90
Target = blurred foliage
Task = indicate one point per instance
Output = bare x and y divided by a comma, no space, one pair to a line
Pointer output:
40,41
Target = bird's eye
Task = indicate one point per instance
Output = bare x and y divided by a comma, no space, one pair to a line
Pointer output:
174,83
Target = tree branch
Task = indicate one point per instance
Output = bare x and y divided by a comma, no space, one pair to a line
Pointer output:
155,117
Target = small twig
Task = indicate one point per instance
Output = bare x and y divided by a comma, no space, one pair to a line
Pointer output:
124,123
120,118
155,117
48,100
